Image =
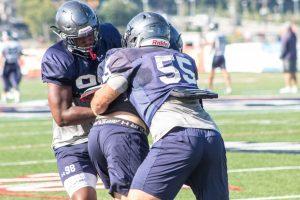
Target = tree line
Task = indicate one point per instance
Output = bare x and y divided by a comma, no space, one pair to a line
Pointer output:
40,14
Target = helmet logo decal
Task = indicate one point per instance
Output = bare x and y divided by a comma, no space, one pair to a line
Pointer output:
85,31
160,43
156,42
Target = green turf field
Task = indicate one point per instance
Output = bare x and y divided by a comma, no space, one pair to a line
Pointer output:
254,126
243,84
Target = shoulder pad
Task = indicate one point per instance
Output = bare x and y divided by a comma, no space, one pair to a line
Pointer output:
110,35
57,64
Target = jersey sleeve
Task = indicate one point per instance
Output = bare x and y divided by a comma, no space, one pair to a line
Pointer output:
102,64
55,68
195,68
117,64
284,47
20,48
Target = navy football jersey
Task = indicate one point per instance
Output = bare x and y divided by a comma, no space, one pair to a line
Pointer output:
151,73
121,103
61,67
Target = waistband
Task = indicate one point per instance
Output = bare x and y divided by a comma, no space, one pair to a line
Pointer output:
122,122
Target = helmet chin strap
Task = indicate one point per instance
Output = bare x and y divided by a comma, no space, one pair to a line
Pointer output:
92,54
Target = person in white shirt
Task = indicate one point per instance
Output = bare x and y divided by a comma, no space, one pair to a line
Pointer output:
11,72
218,42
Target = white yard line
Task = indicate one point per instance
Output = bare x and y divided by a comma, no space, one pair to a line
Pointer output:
32,162
273,198
249,112
263,122
263,146
28,179
25,115
27,146
264,169
21,134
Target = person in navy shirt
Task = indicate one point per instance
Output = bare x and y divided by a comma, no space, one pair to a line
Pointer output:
289,59
188,147
69,67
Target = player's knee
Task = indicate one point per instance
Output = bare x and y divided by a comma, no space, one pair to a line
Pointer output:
86,193
118,196
81,186
135,194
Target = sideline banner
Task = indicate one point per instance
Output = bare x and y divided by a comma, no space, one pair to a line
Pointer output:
240,57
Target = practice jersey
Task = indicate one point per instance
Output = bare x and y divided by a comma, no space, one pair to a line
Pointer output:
219,42
121,103
11,52
151,74
61,67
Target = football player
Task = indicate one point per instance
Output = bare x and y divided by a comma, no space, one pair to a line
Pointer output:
218,42
117,146
118,142
69,67
188,147
11,74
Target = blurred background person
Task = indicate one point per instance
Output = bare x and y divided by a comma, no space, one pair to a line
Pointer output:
289,59
218,42
11,72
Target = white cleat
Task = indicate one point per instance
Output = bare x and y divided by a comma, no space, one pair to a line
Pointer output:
16,96
228,90
285,90
294,90
3,98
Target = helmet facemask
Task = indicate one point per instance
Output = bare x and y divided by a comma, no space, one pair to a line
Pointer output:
83,44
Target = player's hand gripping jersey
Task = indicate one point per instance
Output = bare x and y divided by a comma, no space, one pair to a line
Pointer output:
61,67
152,74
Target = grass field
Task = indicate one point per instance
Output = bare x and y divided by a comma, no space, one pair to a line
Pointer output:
23,140
244,84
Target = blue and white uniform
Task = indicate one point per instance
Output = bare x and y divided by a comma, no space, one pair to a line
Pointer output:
117,147
188,147
219,44
61,67
11,74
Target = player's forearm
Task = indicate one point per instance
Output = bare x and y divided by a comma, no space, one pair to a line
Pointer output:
102,98
99,104
75,115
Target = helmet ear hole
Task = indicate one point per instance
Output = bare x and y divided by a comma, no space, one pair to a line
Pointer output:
133,40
